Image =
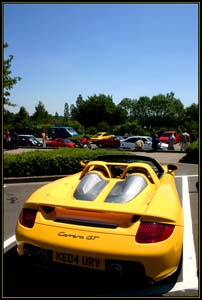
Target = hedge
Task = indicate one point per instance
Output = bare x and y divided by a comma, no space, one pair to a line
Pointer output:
65,161
192,153
50,162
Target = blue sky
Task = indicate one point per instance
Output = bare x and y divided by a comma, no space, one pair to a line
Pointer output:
122,50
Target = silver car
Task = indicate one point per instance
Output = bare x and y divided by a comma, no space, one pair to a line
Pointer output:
129,143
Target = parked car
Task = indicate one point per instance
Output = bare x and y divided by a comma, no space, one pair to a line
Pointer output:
129,143
28,140
59,142
61,132
101,135
83,143
108,143
120,137
164,138
121,215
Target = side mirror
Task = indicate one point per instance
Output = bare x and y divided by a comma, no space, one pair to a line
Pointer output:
172,168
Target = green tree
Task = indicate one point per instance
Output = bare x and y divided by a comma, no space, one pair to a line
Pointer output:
8,80
66,112
141,111
119,116
192,112
23,123
8,120
166,111
191,118
103,126
128,106
56,120
78,111
41,114
94,110
131,128
41,120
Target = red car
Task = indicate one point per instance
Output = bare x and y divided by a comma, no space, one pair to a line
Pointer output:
108,143
166,135
59,142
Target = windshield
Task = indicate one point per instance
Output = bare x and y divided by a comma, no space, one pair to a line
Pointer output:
70,129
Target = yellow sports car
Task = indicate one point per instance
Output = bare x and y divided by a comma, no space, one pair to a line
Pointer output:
101,135
120,214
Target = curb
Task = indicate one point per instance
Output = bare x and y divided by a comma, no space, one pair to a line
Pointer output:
32,179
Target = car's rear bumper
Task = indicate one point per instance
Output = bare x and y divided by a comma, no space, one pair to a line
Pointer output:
155,260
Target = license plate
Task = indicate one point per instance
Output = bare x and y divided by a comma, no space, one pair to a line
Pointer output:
79,260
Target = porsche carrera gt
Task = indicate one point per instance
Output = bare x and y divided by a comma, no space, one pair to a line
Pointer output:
121,213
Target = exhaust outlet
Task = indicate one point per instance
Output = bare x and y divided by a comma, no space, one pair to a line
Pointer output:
116,269
41,258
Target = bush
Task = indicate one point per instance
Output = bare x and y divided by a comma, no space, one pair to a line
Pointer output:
50,162
192,155
65,161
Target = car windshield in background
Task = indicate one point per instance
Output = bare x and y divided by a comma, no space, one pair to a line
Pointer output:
70,129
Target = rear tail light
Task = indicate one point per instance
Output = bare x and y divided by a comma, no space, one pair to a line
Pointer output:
153,232
27,217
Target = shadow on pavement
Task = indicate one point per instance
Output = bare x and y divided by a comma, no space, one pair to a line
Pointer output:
30,281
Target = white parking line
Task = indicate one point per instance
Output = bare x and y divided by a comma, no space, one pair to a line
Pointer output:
180,176
27,183
189,266
9,241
